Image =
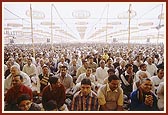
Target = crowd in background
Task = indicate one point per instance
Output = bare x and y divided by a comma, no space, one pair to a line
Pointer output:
84,77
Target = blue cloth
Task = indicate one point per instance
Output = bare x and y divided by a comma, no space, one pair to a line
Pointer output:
136,105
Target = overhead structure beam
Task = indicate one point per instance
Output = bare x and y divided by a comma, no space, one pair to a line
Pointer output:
107,21
51,27
32,30
129,23
159,26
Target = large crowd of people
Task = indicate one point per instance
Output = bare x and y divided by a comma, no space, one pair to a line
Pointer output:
83,77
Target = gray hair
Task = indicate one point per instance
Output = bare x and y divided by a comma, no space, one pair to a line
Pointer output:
15,66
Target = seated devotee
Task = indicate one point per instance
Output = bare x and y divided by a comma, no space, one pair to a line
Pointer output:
51,106
116,62
131,61
105,55
15,70
137,83
65,78
30,68
73,69
15,91
151,67
24,103
51,64
82,69
137,61
101,73
11,59
87,75
40,66
127,80
92,64
110,95
109,63
143,99
110,72
7,71
143,68
156,80
44,77
85,99
120,69
63,62
54,91
160,94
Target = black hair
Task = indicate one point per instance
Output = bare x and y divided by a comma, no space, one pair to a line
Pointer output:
109,59
53,79
64,67
160,69
21,77
50,105
128,65
29,59
86,82
143,64
22,98
89,67
111,70
113,77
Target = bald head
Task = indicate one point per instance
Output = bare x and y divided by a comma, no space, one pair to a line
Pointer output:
142,75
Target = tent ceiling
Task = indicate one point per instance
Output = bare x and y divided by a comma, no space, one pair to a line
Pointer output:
83,21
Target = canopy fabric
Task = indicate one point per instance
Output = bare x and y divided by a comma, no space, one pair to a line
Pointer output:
83,22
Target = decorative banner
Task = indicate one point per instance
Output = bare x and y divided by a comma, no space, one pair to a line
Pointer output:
146,24
40,31
114,23
55,27
81,14
46,33
109,27
26,33
81,23
26,28
125,15
14,25
61,31
47,23
123,30
36,14
106,27
81,28
134,28
150,36
6,28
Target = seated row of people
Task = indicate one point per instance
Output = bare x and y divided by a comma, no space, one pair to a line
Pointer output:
127,78
109,97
